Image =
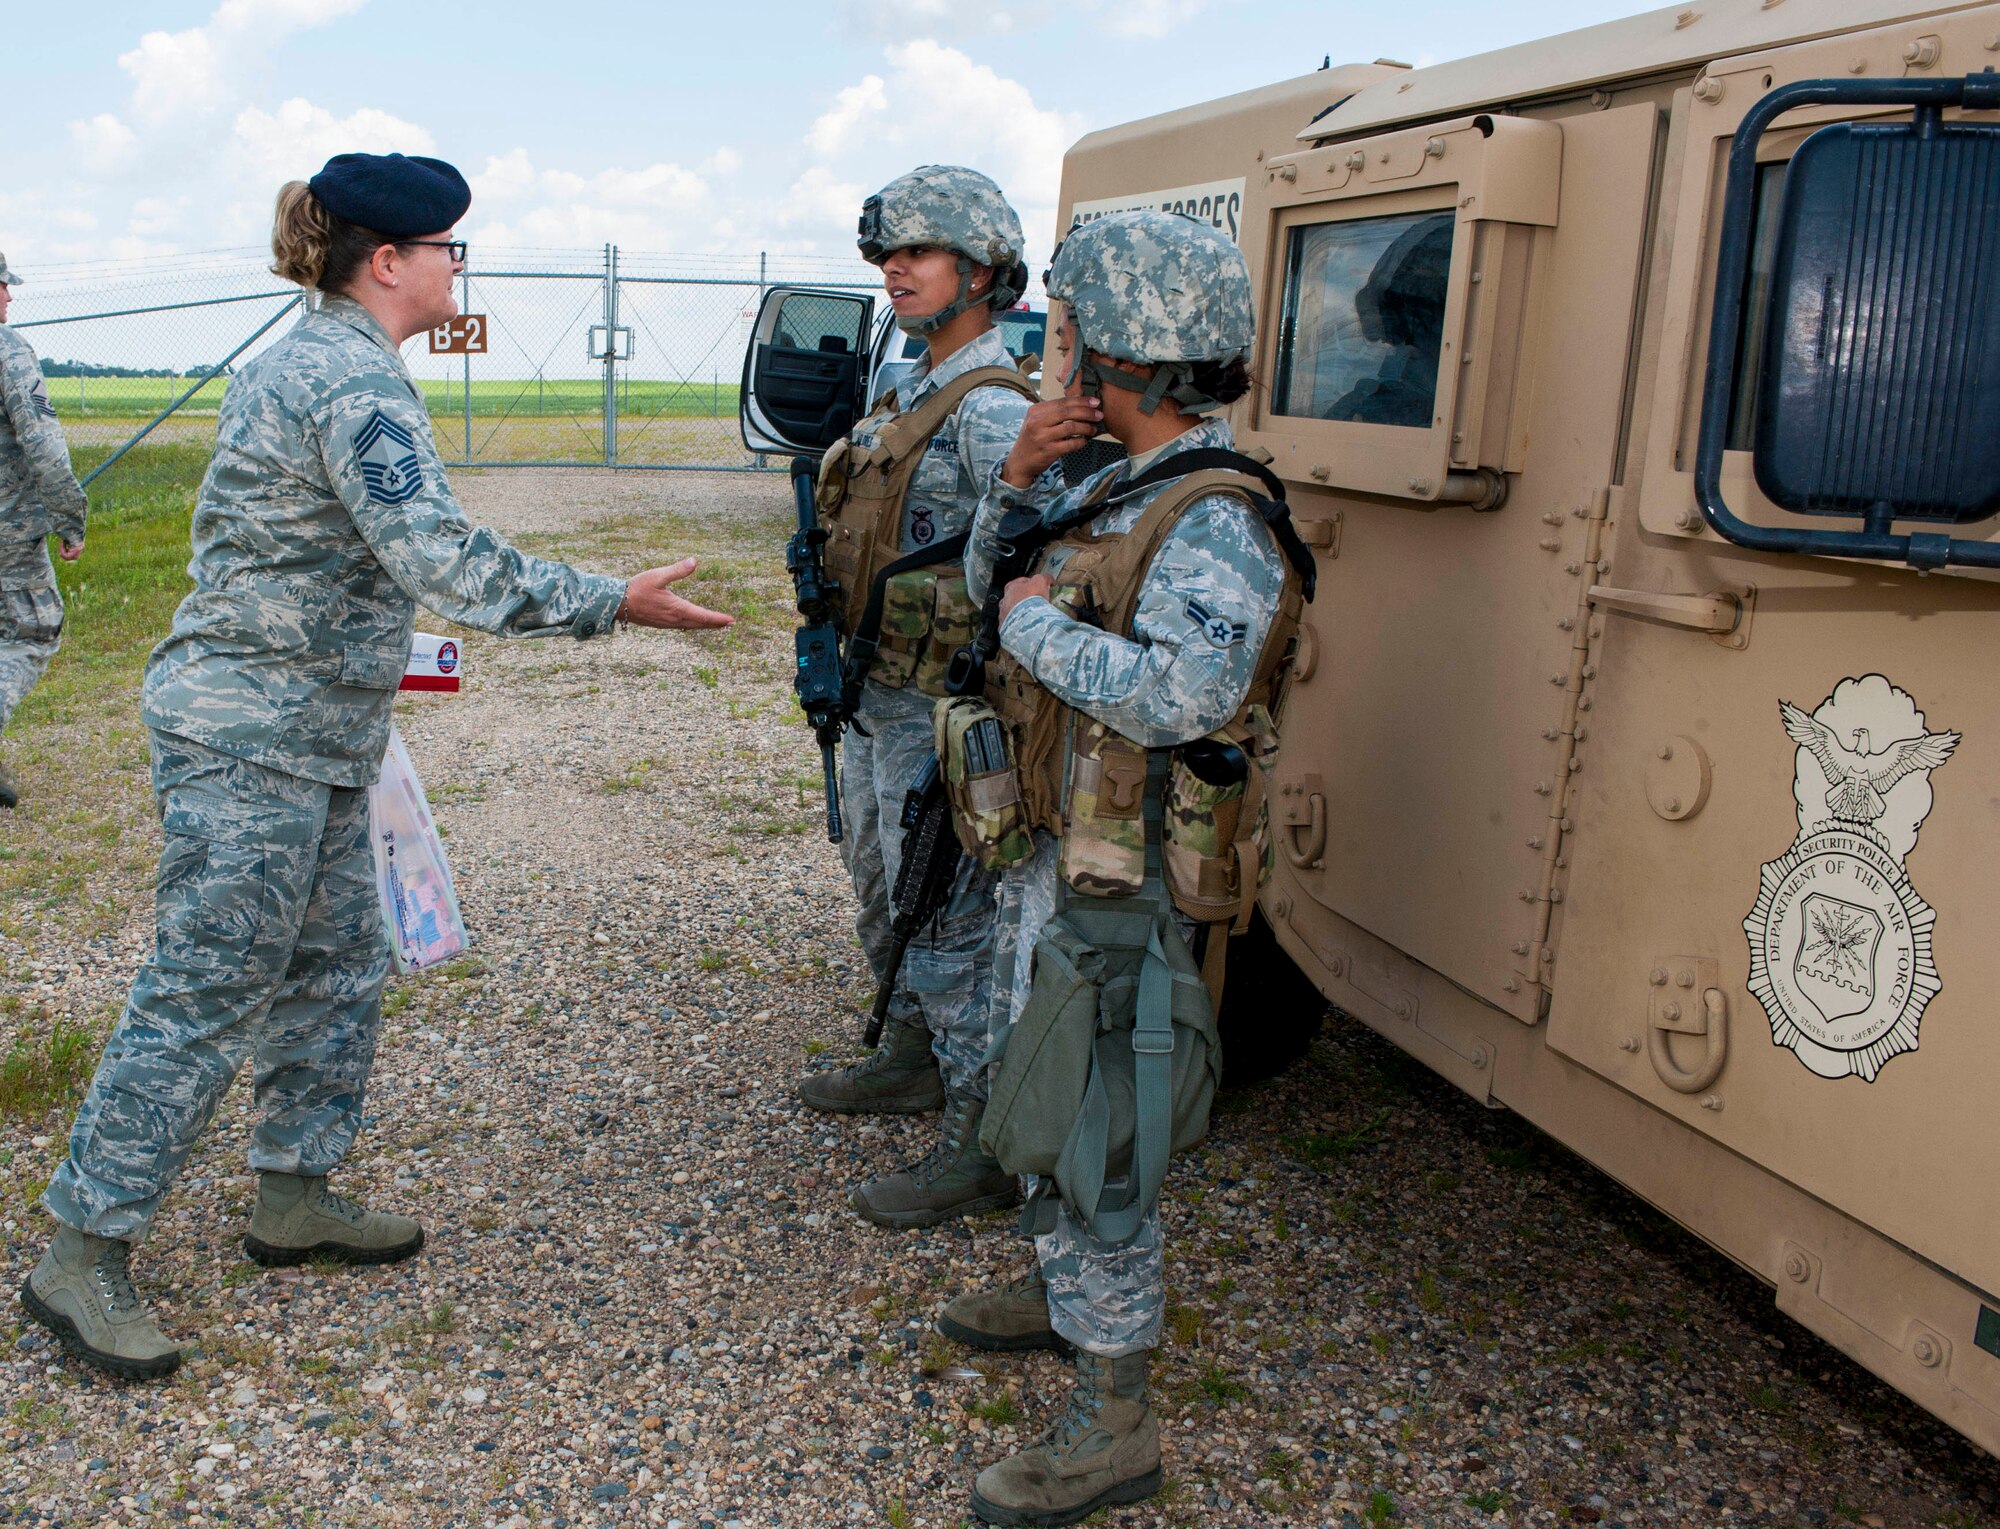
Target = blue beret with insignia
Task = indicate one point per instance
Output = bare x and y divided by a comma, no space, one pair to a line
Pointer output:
396,195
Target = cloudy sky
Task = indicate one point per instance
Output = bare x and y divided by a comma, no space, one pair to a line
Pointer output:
166,127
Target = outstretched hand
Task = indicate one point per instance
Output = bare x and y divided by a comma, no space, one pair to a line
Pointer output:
1054,428
651,601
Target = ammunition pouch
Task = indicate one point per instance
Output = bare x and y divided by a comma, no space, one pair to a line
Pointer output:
974,751
1216,843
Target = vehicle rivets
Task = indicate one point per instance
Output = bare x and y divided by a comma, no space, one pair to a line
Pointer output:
1683,978
1321,471
1993,43
1687,520
1544,787
1708,88
1434,148
1665,751
1282,907
1630,1043
1686,19
1519,947
1551,734
1575,765
1583,703
1511,985
1713,1102
1673,804
1551,544
1535,842
1556,896
1658,976
1580,513
1599,99
1926,1352
1565,624
1458,437
1590,671
1923,53
1402,1008
1551,518
1572,568
1670,1011
1480,1058
1582,733
1859,66
1527,894
1797,1270
1558,679
1420,485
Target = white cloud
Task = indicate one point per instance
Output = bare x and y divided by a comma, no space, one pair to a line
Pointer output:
943,18
295,140
1147,18
835,128
155,215
172,73
103,143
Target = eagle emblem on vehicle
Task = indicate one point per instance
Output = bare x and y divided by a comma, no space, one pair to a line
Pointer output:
1840,940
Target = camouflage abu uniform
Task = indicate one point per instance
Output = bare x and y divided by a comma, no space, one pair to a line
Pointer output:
947,970
1166,685
39,497
323,521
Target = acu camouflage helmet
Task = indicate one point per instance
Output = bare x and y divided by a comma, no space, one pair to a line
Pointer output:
1154,288
952,208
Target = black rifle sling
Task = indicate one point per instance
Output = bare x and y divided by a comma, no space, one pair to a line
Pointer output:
1274,511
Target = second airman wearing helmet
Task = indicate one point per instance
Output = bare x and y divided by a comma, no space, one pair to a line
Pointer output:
1159,618
905,482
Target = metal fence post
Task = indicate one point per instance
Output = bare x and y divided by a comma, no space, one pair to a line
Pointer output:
464,307
610,355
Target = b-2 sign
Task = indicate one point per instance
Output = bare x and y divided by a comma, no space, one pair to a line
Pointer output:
463,336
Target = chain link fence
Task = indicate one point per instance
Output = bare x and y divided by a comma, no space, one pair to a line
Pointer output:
568,357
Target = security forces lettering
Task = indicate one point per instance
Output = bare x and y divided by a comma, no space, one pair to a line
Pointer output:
387,454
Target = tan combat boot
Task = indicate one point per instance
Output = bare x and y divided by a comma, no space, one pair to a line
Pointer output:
899,1077
298,1219
82,1292
1004,1319
1104,1450
954,1178
9,797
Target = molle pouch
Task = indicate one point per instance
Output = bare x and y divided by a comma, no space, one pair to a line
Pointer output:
953,619
906,623
1215,838
980,781
1104,817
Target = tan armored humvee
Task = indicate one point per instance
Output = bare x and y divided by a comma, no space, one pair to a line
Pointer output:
1684,845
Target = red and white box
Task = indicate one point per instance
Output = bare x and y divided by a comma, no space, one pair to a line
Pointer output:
434,664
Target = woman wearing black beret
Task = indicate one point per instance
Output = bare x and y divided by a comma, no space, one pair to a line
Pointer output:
323,522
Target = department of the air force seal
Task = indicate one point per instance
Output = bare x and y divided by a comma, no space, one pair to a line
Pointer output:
387,454
1840,942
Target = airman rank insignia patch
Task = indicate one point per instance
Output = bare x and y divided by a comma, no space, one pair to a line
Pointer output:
40,394
387,454
1220,633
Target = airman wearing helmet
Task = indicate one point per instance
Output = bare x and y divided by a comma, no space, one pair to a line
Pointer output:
907,479
1163,604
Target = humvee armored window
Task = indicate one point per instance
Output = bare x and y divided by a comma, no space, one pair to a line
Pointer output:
1364,320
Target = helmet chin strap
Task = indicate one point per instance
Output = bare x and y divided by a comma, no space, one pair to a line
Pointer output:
1170,379
930,324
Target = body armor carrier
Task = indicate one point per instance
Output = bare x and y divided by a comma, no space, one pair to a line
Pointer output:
1087,784
902,614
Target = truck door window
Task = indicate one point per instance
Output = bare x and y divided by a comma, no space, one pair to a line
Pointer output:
811,322
1756,304
1363,320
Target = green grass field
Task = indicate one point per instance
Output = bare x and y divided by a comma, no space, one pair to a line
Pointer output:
139,398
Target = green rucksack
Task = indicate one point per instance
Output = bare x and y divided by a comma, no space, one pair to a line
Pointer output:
1111,1067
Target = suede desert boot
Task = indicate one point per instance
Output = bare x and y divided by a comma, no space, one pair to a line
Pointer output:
9,797
298,1219
954,1178
1105,1449
1004,1319
82,1292
899,1077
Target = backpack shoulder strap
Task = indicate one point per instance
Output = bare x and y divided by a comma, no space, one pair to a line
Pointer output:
910,432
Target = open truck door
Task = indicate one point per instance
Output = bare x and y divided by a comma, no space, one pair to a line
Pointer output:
803,371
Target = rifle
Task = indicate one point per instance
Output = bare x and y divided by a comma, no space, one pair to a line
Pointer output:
923,881
818,682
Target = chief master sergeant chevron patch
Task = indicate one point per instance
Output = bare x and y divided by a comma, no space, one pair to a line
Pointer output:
388,457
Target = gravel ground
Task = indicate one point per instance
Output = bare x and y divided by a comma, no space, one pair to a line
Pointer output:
644,1299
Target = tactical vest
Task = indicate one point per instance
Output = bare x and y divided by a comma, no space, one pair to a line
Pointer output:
1086,784
921,612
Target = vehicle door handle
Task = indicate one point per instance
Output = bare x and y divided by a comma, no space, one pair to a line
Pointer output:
1720,613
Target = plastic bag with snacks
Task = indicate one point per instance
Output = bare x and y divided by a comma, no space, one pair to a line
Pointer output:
420,911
